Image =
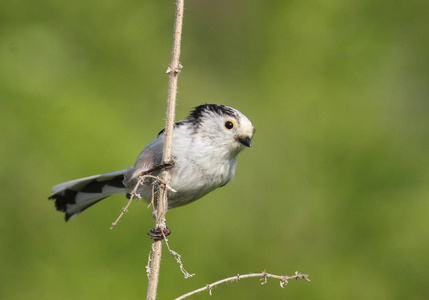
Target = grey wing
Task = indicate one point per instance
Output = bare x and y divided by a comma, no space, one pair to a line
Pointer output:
150,157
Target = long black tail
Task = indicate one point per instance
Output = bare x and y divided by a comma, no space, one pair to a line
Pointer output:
73,197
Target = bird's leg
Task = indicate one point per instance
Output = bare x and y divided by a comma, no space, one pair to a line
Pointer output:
164,165
167,164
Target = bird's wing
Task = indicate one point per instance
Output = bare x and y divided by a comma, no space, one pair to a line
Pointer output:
148,159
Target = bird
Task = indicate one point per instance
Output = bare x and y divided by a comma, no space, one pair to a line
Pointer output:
205,146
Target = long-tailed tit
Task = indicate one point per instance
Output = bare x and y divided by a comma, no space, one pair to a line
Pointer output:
204,152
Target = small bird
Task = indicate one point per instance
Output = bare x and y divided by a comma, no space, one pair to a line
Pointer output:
204,153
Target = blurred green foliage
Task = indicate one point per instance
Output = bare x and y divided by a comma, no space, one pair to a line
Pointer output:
335,185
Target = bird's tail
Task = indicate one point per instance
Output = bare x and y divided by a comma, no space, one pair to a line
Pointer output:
73,197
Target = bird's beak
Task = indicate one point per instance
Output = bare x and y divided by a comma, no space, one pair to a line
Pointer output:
246,141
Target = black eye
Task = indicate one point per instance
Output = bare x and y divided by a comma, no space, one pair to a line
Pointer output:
229,124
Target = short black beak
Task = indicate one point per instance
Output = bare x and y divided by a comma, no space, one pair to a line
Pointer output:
245,141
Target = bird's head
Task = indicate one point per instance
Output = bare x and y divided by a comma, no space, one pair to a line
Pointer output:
222,126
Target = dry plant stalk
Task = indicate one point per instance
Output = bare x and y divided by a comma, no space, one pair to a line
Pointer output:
162,205
264,275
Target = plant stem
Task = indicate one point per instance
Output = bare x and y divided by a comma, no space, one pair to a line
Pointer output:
161,209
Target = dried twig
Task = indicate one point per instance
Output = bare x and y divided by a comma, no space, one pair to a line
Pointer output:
161,209
134,194
178,259
264,275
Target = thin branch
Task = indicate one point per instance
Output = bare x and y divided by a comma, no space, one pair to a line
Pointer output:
264,275
134,194
178,259
162,205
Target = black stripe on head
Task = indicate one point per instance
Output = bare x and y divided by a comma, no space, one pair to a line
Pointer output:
200,111
177,124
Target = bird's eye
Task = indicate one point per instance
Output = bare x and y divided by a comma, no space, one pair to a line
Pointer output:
229,124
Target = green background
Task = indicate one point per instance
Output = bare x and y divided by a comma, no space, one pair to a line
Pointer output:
336,184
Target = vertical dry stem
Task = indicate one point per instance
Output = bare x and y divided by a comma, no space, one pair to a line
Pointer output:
173,71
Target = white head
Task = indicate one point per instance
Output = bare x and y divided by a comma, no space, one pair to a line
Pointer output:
222,126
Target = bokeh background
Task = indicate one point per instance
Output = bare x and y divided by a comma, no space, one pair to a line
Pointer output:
336,184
